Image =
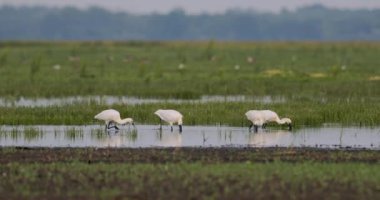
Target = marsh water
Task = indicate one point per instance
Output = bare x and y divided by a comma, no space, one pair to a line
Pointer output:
109,100
192,136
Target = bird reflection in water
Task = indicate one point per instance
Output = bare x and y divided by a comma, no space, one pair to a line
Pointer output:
169,139
271,138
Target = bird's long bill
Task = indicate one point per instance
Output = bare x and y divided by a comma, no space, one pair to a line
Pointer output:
290,127
180,128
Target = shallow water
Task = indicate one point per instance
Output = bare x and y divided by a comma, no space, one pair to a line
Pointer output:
109,100
192,136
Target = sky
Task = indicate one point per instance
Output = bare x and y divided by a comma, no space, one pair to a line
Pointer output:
196,6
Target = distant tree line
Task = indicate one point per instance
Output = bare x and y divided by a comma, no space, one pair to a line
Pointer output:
308,23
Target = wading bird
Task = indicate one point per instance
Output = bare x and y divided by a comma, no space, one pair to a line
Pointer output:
170,116
262,117
113,116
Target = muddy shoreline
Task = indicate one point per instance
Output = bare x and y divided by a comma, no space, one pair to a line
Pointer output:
174,155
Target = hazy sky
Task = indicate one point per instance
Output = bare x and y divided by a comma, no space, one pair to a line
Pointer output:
196,6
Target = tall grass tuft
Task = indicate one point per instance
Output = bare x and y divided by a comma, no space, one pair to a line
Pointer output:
35,67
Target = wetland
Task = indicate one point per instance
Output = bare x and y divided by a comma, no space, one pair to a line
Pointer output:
52,148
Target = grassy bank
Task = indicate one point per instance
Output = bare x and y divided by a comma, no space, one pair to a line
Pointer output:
190,69
191,181
189,173
302,112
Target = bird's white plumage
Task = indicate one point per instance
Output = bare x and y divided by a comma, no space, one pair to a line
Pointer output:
260,117
112,115
170,116
108,115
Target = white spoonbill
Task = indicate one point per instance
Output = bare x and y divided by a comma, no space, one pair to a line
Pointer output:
262,117
113,116
170,116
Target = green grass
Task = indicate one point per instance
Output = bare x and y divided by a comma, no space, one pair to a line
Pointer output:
189,173
151,69
328,82
302,112
276,180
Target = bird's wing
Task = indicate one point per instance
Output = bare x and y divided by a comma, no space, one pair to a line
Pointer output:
108,115
253,115
114,115
269,115
170,115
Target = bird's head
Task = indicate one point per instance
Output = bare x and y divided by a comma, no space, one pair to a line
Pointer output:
127,121
288,122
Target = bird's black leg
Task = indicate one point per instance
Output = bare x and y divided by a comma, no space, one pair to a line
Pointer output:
264,125
250,127
171,128
160,124
108,126
114,125
255,128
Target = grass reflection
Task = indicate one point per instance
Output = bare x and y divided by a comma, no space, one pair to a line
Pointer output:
32,133
132,135
98,134
73,133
